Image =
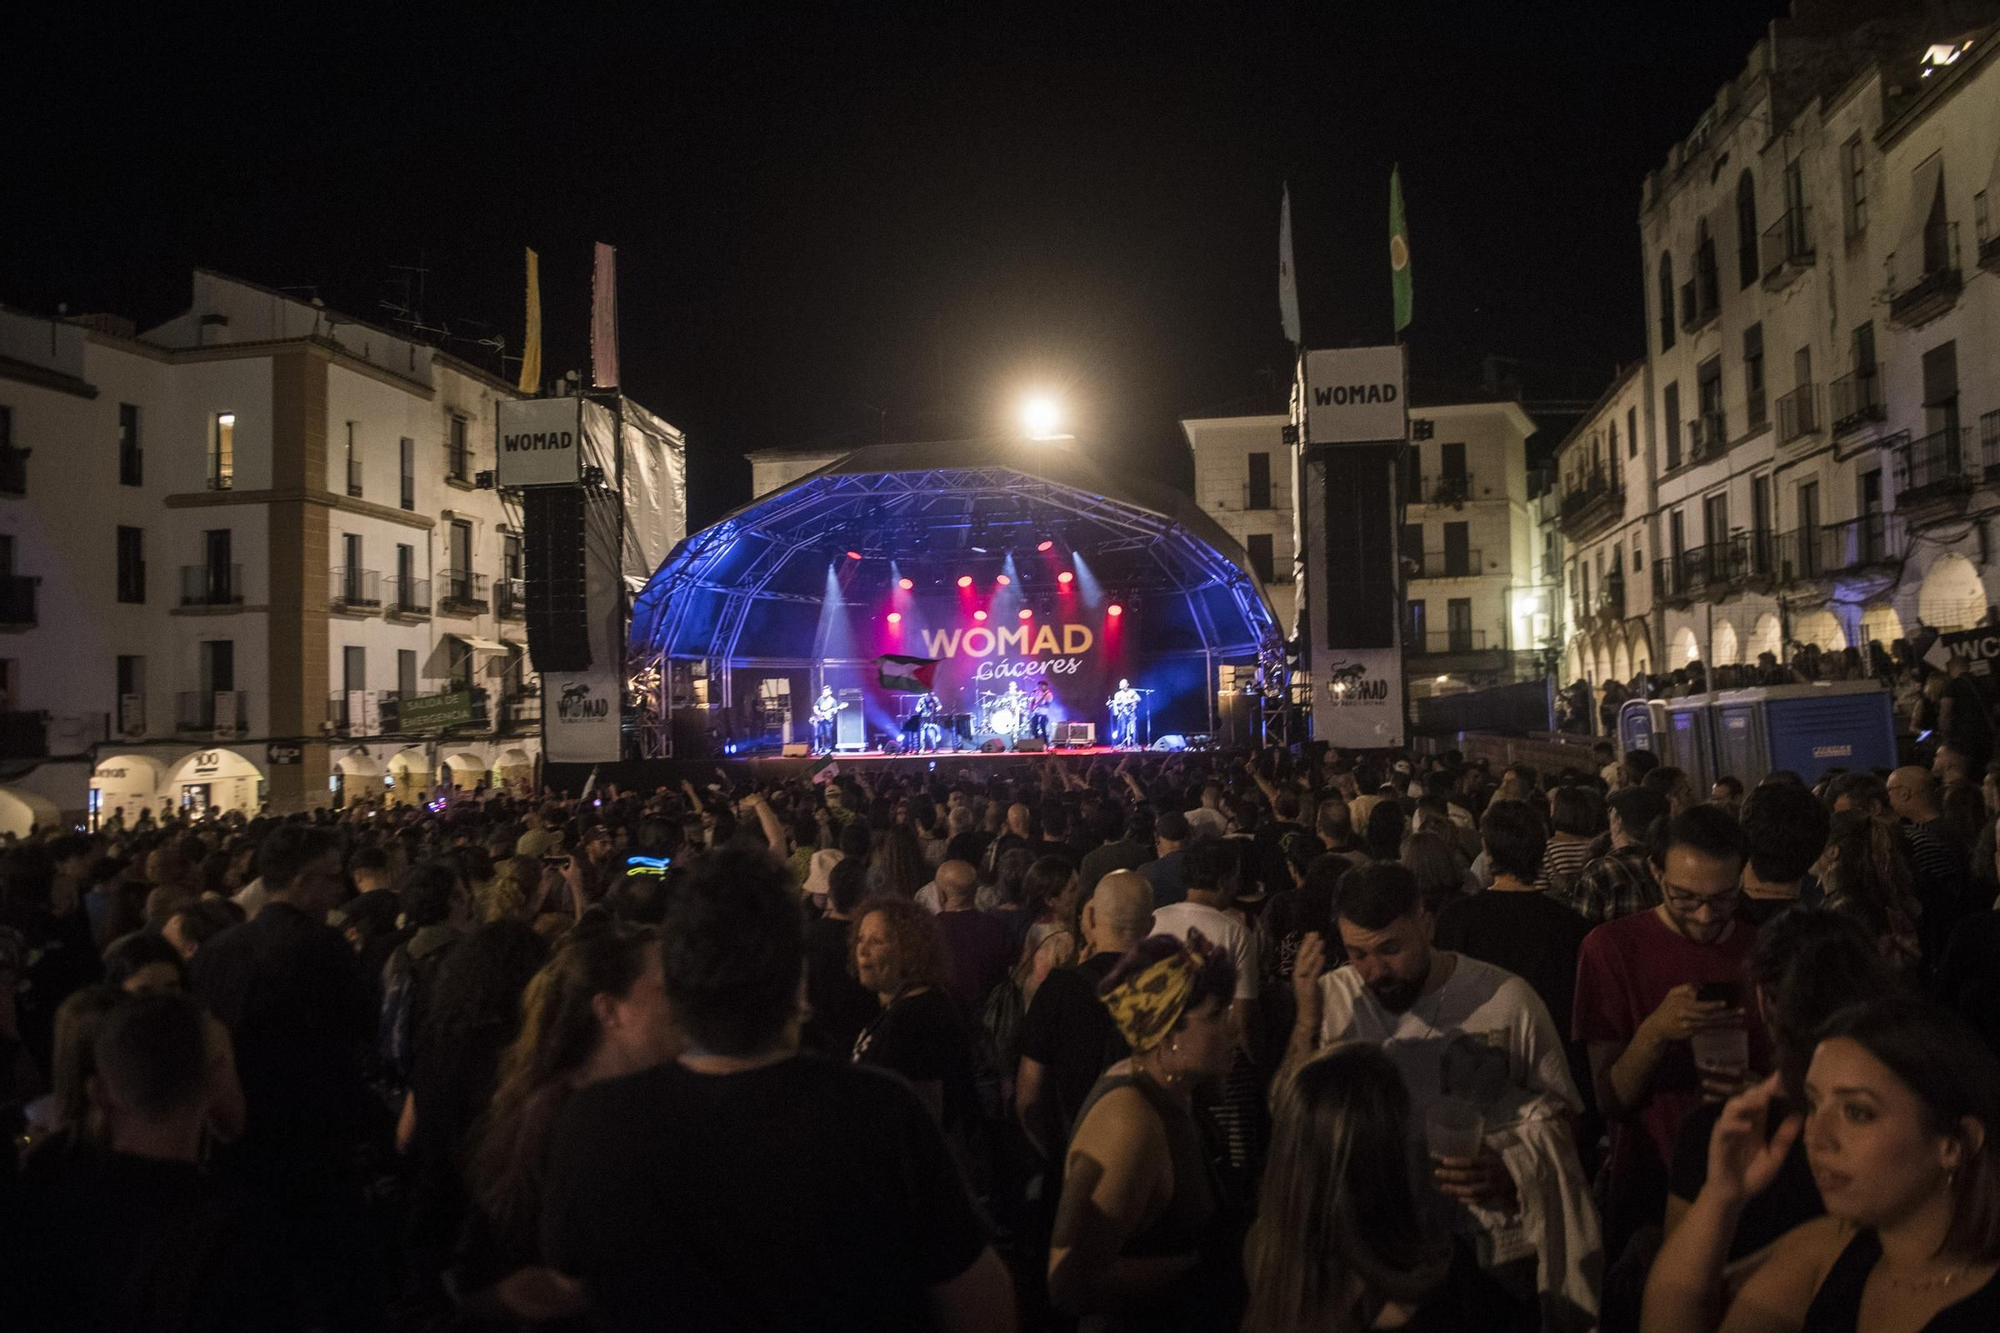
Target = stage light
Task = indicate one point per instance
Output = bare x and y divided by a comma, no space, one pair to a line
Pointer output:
1046,546
1027,613
895,617
854,555
905,584
1065,577
1114,610
1040,416
1003,580
979,616
965,580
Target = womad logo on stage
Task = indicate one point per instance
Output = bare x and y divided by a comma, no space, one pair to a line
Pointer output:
1349,684
1027,640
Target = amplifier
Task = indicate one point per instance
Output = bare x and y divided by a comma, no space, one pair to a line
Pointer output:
1076,733
1030,745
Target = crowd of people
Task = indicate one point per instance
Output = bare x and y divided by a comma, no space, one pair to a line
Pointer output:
1288,1040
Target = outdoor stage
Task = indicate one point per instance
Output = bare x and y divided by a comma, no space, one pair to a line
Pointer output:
780,768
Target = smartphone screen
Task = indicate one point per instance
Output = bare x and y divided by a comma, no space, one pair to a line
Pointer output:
1712,991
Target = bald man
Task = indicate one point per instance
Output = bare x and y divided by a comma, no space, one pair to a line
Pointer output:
953,879
1067,1038
1939,858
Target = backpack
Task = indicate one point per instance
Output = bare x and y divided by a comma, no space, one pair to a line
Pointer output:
404,993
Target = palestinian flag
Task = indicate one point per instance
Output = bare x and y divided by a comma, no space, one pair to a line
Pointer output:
823,771
912,675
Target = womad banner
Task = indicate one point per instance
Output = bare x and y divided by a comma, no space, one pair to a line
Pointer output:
1358,697
580,716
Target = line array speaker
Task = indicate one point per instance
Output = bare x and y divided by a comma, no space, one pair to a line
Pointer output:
558,603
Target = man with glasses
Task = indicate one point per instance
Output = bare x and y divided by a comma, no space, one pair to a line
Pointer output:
1645,985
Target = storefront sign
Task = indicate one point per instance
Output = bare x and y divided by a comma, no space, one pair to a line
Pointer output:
432,712
284,753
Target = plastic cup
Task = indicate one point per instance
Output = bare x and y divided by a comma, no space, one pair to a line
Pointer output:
1454,1128
1725,1049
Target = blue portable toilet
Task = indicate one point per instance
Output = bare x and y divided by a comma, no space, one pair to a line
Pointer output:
1635,725
1837,724
1691,739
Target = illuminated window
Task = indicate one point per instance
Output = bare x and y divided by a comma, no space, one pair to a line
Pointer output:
222,453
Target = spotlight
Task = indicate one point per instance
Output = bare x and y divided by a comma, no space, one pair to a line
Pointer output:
1065,577
1003,580
965,580
905,584
854,555
1114,610
1040,416
979,616
895,617
1046,546
1027,613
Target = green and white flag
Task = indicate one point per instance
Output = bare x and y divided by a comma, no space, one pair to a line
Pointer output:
1399,250
824,771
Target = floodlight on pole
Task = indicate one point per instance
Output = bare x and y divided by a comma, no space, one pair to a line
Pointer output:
1040,416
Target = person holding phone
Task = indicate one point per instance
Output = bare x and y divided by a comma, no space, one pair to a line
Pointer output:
1646,986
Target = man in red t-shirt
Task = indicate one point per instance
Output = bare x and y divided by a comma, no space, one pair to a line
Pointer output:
1645,984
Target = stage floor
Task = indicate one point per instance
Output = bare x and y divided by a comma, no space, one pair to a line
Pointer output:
778,766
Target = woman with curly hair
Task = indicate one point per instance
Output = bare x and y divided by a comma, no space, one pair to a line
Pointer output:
1865,875
899,955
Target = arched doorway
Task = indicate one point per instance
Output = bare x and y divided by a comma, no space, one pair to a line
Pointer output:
1621,663
1822,629
1686,649
23,812
409,777
1881,624
462,771
1767,637
514,769
1725,651
217,780
1952,596
124,784
1642,654
1603,665
356,776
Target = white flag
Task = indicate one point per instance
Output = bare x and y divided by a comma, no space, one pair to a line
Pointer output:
1288,283
604,318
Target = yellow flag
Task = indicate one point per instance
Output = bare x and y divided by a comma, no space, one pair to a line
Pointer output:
531,350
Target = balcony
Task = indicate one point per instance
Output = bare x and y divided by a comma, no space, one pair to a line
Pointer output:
409,598
1453,488
14,470
1857,399
24,736
1798,414
1708,437
211,585
1713,570
219,712
1786,247
1850,547
1446,565
354,477
1440,643
1924,286
1933,473
1594,502
510,598
357,591
1701,302
1609,606
1989,445
1270,496
375,717
521,708
462,593
17,602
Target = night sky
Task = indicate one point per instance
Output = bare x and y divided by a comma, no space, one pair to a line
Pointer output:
915,212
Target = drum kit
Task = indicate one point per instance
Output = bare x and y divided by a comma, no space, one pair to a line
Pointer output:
996,715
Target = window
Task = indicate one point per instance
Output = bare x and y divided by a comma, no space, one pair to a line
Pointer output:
1753,376
1746,230
1612,447
131,460
1415,629
459,550
1670,410
13,462
406,577
1808,534
1631,432
1638,559
510,555
218,665
353,668
131,565
1413,547
458,453
1458,557
1259,546
1257,495
214,582
1458,612
406,672
1941,393
1855,161
1715,518
131,683
1760,523
222,453
1936,235
353,465
353,578
1710,437
1707,281
1666,297
407,463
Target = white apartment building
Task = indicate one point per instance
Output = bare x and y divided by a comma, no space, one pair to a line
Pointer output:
1476,599
1821,396
1604,507
237,547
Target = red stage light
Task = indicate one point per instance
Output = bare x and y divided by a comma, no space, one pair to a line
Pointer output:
965,580
1026,614
905,584
1003,580
854,555
1046,546
895,617
979,616
1114,610
1064,577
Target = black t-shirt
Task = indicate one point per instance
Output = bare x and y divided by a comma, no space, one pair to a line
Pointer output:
923,1038
803,1195
841,1006
1793,1197
1068,1031
1529,934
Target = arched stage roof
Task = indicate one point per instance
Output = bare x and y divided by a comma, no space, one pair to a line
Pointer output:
752,585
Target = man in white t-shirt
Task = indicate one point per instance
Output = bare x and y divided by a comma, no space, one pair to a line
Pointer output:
1455,1027
1207,819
